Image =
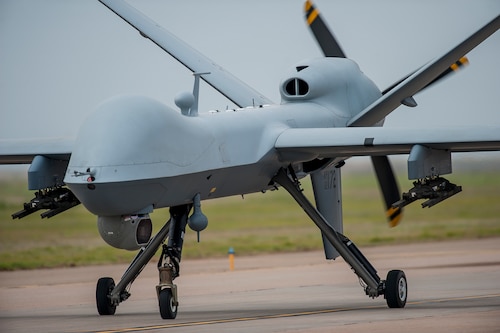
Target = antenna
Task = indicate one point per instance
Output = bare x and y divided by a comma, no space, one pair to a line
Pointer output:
196,93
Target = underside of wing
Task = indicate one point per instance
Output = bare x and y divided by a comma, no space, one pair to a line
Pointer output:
24,151
310,143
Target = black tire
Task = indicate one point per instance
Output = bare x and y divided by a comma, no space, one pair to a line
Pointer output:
104,287
168,308
396,289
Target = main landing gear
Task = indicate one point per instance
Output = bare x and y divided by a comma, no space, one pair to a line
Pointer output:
394,288
109,295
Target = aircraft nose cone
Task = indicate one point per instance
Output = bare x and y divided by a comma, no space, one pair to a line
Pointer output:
129,144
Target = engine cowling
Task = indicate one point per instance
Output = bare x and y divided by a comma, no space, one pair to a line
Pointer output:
129,232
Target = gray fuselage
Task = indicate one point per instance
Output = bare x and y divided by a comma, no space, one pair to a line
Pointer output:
135,154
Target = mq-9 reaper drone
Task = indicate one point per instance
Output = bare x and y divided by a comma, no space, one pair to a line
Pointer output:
135,155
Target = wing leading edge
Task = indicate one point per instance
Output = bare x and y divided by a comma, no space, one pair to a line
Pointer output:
224,82
421,78
24,151
375,141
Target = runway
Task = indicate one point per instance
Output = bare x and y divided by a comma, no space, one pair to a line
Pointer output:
453,286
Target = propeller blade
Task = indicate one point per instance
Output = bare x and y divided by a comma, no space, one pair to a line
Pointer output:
389,188
450,70
331,48
385,175
379,109
323,35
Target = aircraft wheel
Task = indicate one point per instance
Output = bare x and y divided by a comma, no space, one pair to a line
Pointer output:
103,290
168,308
396,289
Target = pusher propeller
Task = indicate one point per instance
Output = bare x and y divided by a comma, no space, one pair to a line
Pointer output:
331,48
456,66
323,35
385,175
389,188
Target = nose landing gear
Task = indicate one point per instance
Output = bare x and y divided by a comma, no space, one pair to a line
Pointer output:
109,295
166,291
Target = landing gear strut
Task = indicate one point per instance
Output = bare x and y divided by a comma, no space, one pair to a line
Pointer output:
394,288
169,264
109,295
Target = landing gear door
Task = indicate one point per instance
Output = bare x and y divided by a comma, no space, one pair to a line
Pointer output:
328,196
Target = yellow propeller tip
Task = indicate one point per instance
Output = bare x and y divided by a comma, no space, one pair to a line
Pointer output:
459,63
307,5
394,216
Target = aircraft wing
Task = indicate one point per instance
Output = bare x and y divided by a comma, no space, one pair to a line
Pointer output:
23,151
421,78
227,84
372,141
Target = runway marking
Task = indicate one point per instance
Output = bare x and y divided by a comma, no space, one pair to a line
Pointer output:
284,315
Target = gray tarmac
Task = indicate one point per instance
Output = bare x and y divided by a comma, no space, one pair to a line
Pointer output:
453,287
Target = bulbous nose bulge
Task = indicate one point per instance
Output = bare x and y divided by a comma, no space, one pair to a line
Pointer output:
128,139
135,130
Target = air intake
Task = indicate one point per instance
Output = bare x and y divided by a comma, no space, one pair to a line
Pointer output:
296,87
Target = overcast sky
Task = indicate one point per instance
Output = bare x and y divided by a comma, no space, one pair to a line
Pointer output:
60,58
